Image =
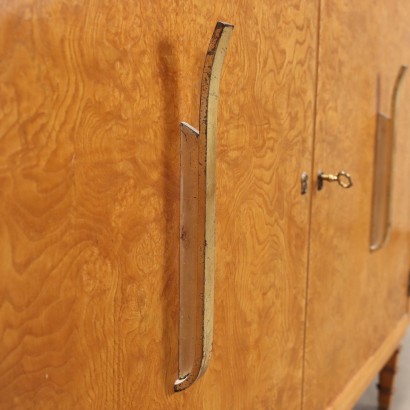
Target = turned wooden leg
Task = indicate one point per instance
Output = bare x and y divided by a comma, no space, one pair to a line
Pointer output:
386,381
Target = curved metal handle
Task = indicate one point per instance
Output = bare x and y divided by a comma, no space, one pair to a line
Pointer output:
343,179
383,170
197,220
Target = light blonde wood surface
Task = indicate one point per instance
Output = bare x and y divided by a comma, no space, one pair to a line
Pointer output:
355,298
352,391
394,258
91,96
265,124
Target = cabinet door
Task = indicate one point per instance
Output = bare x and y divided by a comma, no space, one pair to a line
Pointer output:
356,298
264,142
92,93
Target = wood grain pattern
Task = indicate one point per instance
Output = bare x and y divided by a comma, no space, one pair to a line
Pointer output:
355,298
91,96
265,111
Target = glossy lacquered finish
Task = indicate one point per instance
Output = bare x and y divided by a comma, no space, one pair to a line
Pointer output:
91,96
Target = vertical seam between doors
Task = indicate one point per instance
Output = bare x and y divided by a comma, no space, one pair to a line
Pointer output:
312,188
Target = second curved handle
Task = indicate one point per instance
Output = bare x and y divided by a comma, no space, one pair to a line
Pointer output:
197,221
383,170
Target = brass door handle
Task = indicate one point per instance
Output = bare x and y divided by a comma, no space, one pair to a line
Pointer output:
197,221
342,178
383,169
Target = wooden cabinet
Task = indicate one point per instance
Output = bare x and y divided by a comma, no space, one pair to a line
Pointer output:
356,304
91,97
